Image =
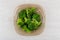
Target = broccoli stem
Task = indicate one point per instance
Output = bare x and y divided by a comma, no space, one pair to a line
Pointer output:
27,11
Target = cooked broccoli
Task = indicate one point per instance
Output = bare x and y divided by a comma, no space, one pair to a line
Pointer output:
36,16
29,19
25,29
30,11
22,14
20,22
31,26
36,23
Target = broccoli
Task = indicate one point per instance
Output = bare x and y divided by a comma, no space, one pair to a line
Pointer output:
30,11
37,24
31,26
36,16
22,14
29,19
26,29
19,21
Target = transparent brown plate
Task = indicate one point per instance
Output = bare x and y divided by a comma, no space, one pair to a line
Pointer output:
39,10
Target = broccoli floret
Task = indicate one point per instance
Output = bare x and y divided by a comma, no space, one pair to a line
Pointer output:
26,29
36,23
31,26
28,21
30,11
33,9
22,14
20,22
36,16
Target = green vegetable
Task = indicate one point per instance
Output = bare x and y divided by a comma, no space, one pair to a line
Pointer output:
29,20
25,29
19,21
31,26
22,14
36,16
30,11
